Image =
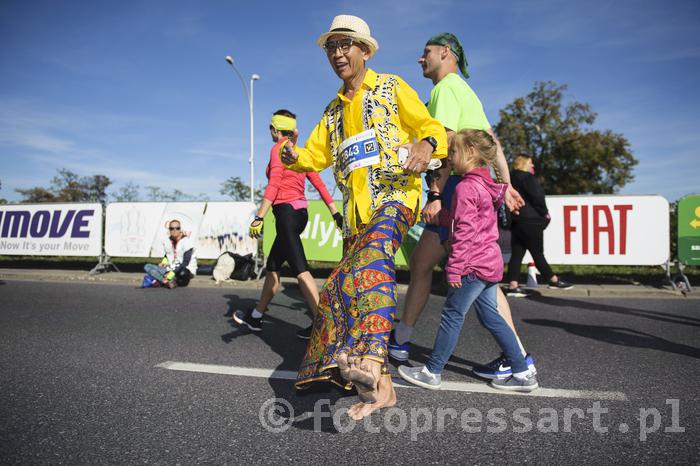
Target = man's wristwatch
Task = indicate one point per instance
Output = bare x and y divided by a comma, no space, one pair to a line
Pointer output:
434,196
432,141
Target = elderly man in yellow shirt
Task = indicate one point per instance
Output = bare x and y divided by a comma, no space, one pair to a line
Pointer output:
366,134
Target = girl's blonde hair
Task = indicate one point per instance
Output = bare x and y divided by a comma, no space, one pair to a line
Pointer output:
477,139
520,162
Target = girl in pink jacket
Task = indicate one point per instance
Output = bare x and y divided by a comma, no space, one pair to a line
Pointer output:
474,266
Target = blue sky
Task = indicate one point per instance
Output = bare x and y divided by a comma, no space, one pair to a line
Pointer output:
140,91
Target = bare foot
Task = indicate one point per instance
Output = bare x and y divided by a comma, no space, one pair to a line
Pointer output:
386,398
364,375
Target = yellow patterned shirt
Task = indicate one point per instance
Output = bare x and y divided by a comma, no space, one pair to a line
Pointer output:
387,105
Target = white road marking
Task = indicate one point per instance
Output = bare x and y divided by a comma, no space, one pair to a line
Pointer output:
471,387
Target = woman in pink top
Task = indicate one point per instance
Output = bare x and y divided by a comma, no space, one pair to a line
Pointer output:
285,193
474,266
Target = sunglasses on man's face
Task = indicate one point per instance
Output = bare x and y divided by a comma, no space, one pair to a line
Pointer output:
174,228
332,45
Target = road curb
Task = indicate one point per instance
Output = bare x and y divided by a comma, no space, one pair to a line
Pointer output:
206,281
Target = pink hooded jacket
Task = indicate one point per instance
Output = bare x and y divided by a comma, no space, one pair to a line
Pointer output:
473,228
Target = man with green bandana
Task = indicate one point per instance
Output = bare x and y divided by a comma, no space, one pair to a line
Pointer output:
456,106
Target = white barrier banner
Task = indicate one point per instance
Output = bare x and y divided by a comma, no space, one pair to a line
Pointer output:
51,229
607,230
139,229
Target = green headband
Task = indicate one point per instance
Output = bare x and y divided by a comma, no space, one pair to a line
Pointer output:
452,42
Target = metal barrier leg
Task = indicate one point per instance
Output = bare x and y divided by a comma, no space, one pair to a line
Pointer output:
104,265
669,282
683,279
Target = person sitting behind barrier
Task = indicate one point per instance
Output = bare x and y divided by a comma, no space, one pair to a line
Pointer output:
179,263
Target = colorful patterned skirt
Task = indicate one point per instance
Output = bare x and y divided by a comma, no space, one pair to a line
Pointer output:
358,301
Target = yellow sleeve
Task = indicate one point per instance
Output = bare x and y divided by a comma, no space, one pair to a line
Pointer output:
416,119
315,156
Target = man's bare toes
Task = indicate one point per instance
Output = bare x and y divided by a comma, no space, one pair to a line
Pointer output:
359,411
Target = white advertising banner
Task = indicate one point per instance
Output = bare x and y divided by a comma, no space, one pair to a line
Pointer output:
607,230
51,229
139,229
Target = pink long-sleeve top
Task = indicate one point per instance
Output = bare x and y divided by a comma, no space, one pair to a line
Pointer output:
287,186
473,228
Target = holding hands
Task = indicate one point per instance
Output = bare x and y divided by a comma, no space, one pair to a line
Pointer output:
514,201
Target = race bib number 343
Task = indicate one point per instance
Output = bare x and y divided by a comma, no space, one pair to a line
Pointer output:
360,150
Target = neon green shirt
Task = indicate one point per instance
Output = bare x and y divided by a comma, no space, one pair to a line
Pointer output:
454,104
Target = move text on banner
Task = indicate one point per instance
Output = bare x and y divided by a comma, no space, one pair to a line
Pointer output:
51,229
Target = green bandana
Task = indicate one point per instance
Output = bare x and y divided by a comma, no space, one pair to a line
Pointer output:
450,40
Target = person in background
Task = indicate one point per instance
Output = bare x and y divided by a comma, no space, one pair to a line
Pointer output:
474,266
285,194
527,228
179,263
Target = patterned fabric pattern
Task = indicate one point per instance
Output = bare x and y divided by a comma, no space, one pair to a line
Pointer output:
358,301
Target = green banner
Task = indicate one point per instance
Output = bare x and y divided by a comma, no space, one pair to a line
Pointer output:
689,230
322,240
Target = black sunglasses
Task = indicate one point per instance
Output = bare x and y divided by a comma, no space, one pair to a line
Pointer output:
173,228
332,45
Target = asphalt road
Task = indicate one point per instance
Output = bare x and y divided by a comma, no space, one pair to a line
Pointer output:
81,384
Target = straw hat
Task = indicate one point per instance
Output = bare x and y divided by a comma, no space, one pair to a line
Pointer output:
353,27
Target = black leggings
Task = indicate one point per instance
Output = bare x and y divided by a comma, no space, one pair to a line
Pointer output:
289,224
525,236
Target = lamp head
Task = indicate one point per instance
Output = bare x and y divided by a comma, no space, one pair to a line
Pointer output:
229,59
255,77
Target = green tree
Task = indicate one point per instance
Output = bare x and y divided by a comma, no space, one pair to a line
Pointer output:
127,193
157,194
68,186
570,157
237,190
2,200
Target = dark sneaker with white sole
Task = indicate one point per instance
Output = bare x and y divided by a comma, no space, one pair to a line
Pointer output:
246,318
305,333
499,368
396,350
516,384
515,292
561,285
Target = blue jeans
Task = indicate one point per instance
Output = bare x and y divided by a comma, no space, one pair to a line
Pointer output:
483,295
155,271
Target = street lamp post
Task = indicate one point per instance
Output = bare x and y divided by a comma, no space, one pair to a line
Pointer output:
249,95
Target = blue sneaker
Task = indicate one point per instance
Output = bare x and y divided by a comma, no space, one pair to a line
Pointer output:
499,368
397,351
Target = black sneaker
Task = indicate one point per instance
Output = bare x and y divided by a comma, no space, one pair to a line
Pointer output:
305,333
246,318
561,285
515,292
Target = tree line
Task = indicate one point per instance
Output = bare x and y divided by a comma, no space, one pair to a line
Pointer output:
570,156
